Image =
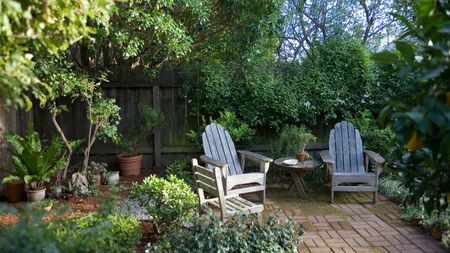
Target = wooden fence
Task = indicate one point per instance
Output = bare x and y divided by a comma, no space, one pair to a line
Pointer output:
130,90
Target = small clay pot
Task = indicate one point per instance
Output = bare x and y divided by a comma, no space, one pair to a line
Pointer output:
68,196
427,228
437,234
300,155
416,220
97,180
130,165
15,191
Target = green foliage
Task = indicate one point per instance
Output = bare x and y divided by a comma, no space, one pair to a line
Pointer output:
35,26
376,138
169,202
96,232
219,86
34,163
413,211
181,169
446,239
239,131
340,73
293,138
146,123
103,113
238,234
420,119
393,189
98,168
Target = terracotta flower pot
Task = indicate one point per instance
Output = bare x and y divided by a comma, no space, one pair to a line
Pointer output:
415,220
427,228
35,195
97,180
300,155
437,234
68,196
130,165
15,191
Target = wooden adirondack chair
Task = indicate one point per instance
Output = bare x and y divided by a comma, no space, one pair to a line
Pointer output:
220,152
212,183
347,162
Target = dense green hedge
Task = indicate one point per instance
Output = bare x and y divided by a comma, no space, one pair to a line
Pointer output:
335,78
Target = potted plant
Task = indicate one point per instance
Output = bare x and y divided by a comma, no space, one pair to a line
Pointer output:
293,140
131,159
442,224
112,177
69,190
36,162
413,214
96,171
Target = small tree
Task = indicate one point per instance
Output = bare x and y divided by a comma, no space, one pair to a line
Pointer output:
103,116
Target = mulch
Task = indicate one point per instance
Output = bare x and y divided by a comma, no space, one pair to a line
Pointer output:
83,205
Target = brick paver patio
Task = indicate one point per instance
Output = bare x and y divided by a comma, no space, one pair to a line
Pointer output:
352,224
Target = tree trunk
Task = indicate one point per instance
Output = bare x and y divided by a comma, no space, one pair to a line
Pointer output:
64,139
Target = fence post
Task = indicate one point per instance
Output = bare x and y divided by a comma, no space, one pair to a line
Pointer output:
157,133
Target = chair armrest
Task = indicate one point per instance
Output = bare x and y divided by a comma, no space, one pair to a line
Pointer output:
210,160
374,157
326,157
254,156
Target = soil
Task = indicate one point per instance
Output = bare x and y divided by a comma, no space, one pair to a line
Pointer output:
79,206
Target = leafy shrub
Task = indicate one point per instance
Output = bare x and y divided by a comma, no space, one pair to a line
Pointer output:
393,189
239,131
340,73
181,169
413,211
293,138
98,233
446,239
380,140
141,127
238,234
169,202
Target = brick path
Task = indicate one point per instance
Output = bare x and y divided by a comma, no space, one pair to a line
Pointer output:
352,224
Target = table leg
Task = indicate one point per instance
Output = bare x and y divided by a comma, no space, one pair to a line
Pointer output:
304,185
298,183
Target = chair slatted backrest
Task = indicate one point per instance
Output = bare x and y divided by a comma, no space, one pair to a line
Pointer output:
217,144
346,148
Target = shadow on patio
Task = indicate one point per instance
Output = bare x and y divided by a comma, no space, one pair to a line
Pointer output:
352,224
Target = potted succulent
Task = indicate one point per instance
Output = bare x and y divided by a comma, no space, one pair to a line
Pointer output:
69,190
35,162
294,139
96,171
131,159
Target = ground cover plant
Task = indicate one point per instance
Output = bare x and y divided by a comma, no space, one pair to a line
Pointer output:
238,234
100,231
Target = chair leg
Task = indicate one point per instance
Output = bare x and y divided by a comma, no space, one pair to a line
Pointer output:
332,196
262,196
375,197
259,215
